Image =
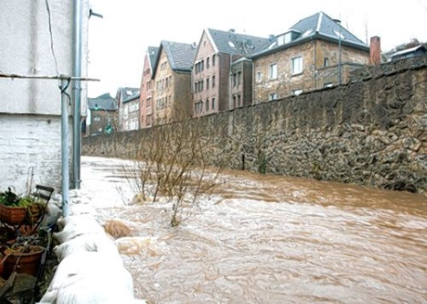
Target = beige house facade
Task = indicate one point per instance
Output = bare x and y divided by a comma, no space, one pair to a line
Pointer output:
316,52
172,82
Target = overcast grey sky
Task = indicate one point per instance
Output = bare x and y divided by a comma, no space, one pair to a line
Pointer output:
117,43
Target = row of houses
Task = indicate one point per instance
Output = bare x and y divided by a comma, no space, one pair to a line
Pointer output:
226,70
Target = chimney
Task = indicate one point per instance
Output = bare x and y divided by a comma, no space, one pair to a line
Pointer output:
375,51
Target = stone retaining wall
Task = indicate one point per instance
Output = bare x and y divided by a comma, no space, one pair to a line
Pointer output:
371,131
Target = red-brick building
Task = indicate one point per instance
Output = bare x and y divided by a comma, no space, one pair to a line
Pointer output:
146,117
222,74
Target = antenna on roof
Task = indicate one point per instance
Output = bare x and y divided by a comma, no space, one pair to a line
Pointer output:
365,20
92,13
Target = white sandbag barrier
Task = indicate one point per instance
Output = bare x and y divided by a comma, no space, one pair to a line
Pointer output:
90,268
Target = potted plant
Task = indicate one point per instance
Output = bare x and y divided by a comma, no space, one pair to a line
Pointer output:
23,255
17,210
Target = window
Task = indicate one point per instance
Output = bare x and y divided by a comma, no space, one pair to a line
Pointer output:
239,78
133,124
234,101
149,102
325,62
148,120
207,105
234,80
198,107
296,92
272,96
163,65
198,86
239,101
199,66
207,63
207,83
133,107
288,37
258,77
148,85
297,65
213,81
213,103
213,59
273,71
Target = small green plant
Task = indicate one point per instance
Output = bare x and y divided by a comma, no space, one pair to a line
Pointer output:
9,198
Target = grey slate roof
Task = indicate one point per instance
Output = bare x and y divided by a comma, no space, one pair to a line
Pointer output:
408,52
132,97
127,94
317,26
180,55
152,55
326,26
104,101
231,42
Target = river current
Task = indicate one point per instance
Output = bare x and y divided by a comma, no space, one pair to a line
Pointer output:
270,239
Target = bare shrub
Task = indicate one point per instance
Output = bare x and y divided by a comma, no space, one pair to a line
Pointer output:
173,163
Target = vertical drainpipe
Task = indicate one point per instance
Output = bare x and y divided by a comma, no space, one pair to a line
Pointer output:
230,99
77,62
64,145
314,63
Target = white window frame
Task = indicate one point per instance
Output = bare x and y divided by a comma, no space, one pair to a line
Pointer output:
296,92
272,96
258,77
272,71
297,65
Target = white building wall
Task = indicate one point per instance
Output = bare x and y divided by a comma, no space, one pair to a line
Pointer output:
29,151
30,110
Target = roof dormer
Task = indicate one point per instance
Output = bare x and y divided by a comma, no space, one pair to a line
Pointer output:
287,37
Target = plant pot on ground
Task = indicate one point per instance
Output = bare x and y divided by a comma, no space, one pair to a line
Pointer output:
22,258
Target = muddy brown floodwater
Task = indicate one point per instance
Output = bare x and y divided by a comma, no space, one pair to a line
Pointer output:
272,239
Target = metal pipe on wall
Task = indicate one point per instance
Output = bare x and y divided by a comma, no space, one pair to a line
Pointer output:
77,63
64,145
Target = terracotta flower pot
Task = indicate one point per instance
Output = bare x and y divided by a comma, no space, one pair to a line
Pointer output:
12,215
26,262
